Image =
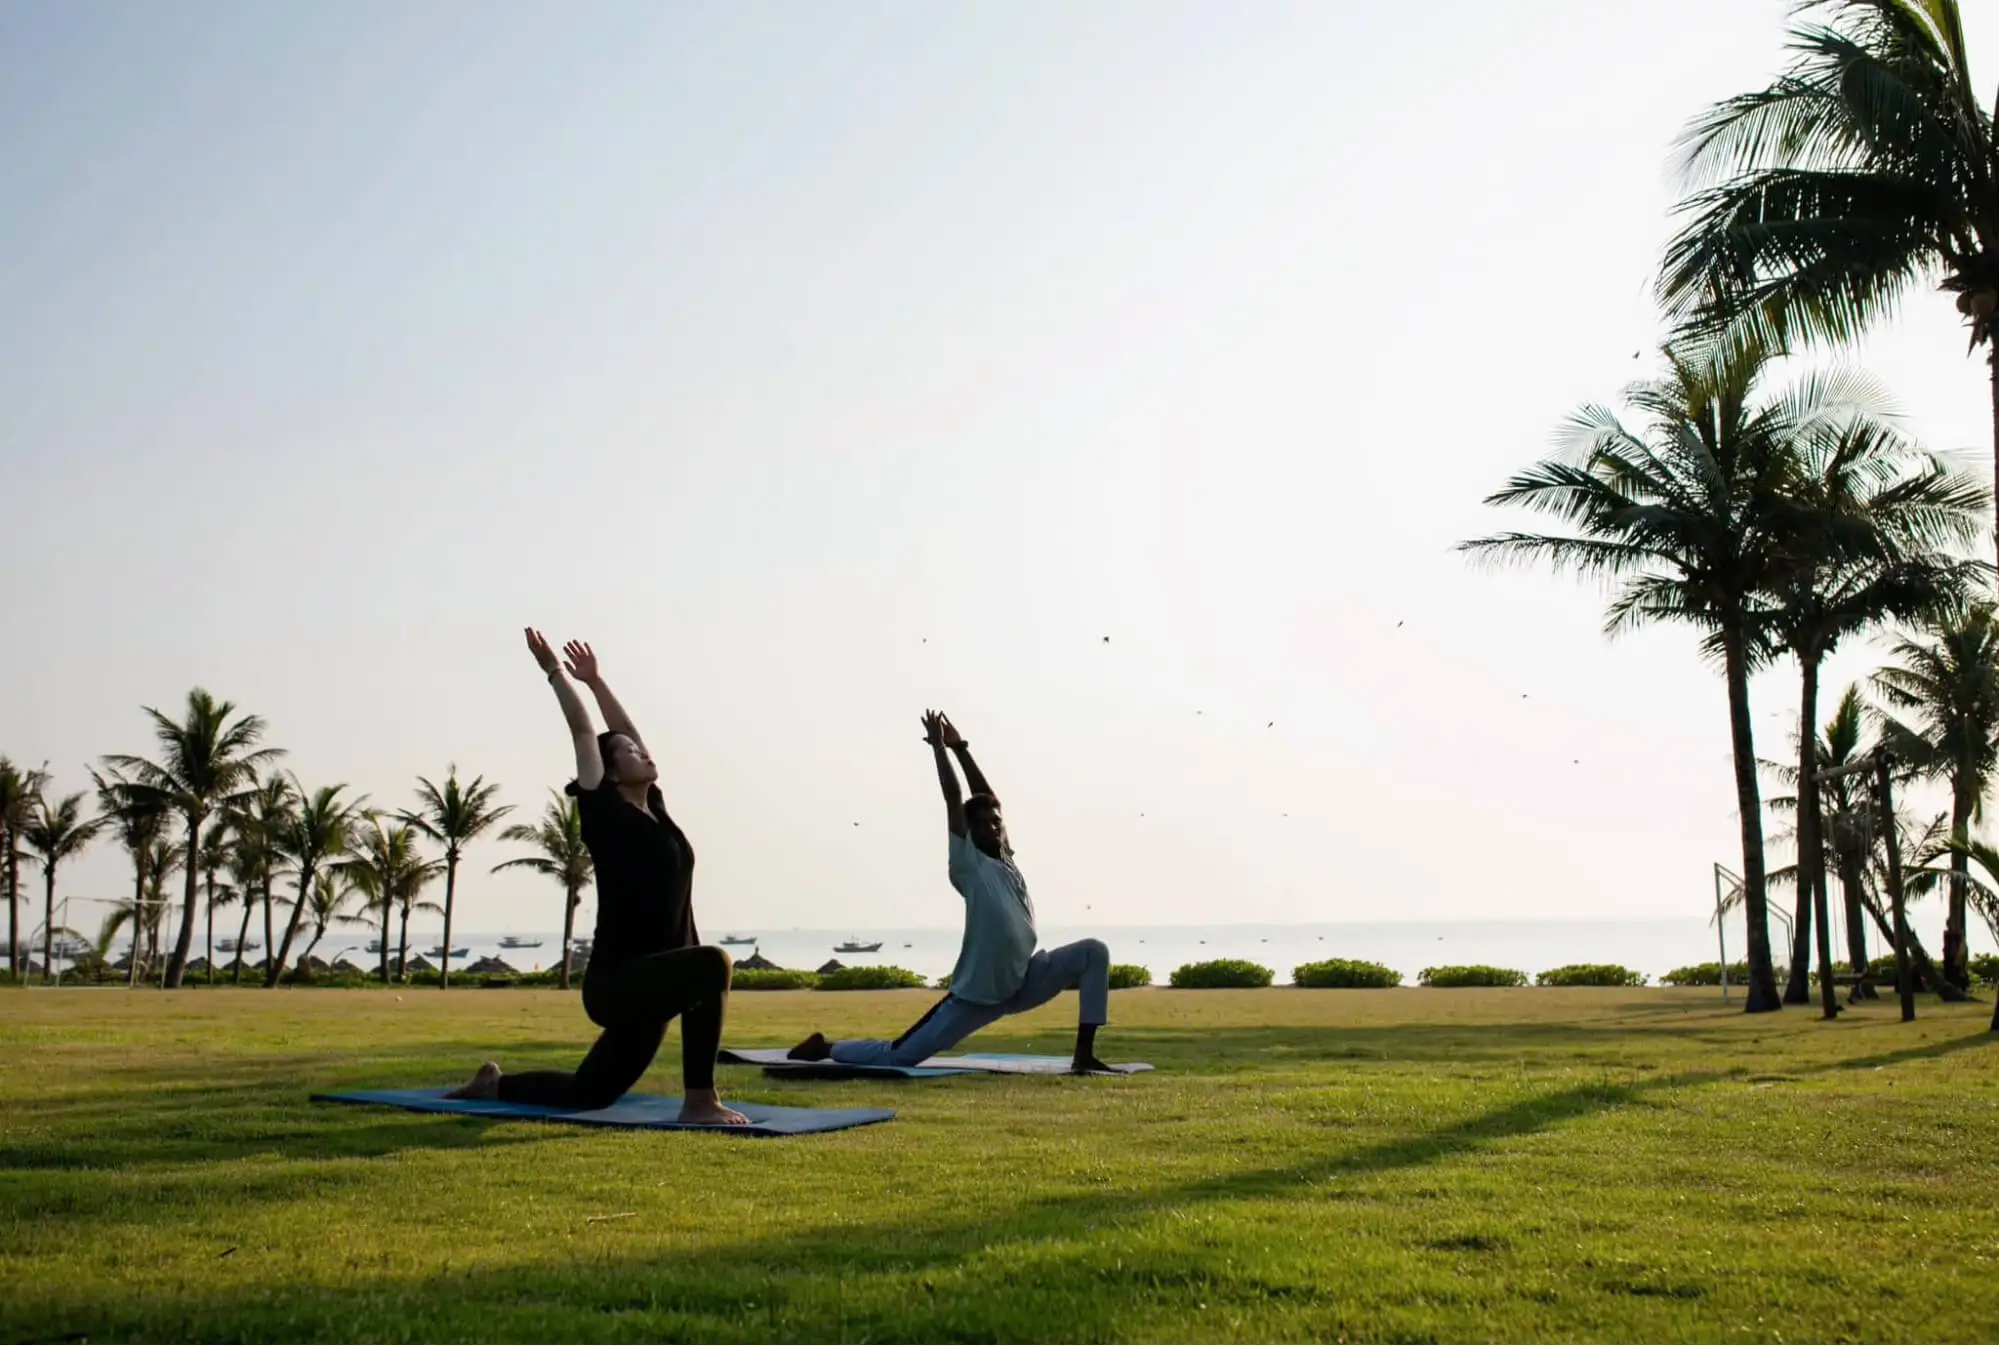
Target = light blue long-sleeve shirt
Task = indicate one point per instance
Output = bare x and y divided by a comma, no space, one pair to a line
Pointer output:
999,924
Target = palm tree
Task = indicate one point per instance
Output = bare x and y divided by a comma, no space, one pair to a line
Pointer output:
391,874
1949,682
1984,891
453,816
1692,517
18,792
138,817
563,857
207,762
1844,804
272,810
163,859
245,863
1874,517
212,859
55,835
1866,168
329,905
316,830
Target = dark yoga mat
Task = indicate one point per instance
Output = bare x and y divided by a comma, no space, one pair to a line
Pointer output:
775,1062
641,1111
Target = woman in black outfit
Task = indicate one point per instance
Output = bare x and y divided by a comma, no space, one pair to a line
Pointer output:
647,964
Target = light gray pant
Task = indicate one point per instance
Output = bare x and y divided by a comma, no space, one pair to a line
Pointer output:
1084,966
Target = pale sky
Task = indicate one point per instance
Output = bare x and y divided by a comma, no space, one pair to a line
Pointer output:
824,363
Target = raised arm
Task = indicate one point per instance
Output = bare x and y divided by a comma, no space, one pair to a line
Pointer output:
583,734
957,744
582,664
947,779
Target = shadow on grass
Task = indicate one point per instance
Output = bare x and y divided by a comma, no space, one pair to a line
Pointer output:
871,1280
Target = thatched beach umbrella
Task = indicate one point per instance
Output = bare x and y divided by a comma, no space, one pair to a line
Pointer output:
757,962
832,965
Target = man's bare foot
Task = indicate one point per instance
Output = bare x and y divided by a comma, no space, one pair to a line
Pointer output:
702,1108
814,1048
1089,1065
485,1083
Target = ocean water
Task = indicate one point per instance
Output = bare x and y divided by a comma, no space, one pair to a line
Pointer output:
1652,947
1649,946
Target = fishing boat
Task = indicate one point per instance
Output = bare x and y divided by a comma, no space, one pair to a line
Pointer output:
855,946
237,946
69,948
518,942
739,939
438,952
374,946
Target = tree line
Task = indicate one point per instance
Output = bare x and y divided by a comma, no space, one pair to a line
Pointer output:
1778,519
210,808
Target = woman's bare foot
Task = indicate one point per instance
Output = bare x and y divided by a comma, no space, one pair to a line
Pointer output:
1089,1065
485,1083
702,1108
814,1048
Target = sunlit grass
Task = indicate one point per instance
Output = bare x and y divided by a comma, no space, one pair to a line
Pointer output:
1401,1164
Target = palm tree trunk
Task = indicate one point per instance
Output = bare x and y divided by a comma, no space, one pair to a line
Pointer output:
388,914
450,893
49,922
1956,957
185,939
1811,850
568,929
277,964
403,944
270,940
1856,924
1993,360
13,904
1762,991
1798,987
138,917
242,933
209,925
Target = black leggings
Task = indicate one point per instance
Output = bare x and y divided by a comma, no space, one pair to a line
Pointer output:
633,1006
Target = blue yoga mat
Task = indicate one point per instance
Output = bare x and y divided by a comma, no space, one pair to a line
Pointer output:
642,1111
775,1062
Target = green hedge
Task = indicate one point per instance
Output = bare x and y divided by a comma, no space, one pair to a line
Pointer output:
1125,976
1344,972
870,979
1985,967
773,979
1706,974
1222,972
1590,974
1471,974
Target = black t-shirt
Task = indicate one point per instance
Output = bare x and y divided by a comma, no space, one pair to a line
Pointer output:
645,877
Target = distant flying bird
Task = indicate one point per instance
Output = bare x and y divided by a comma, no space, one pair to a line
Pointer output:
1398,626
1107,640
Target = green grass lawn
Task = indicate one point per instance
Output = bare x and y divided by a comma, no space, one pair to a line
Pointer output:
1408,1165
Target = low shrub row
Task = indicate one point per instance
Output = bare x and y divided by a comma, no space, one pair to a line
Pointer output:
1590,974
1706,974
1470,974
1220,973
1343,973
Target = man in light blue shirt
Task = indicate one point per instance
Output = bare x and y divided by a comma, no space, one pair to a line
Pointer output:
999,970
